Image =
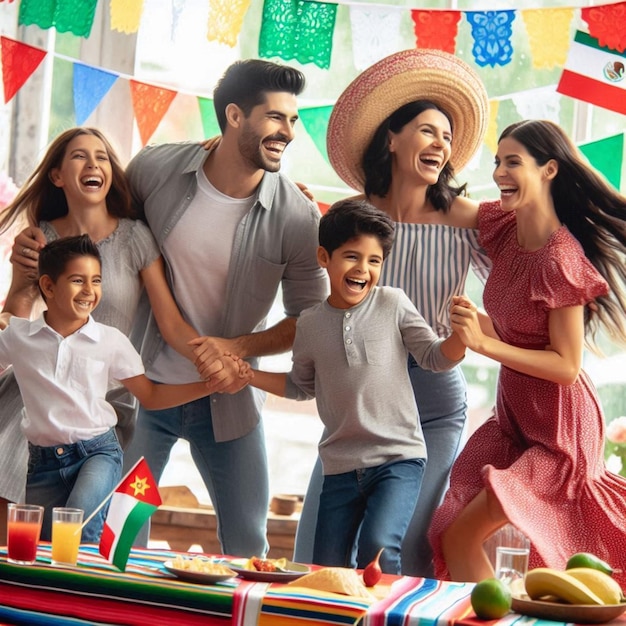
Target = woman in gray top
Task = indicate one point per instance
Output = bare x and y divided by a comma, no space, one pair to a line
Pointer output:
80,188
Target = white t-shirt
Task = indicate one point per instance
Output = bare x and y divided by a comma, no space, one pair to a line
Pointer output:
64,380
198,251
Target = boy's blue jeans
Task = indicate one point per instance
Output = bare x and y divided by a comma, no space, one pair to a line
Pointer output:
79,475
372,507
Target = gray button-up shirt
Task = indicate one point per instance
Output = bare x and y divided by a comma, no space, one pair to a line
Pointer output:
275,244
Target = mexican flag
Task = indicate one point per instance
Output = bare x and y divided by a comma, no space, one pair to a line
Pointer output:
134,500
595,74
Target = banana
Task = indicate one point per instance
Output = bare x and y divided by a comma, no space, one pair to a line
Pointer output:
605,587
544,581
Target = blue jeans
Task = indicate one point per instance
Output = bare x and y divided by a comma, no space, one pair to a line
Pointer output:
442,403
373,504
78,475
235,472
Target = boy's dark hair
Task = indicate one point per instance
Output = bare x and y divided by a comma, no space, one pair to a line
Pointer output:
55,256
350,218
245,83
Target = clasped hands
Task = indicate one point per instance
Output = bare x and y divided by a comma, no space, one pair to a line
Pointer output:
465,321
219,366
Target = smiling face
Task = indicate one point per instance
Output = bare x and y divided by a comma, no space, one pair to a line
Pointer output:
85,173
422,147
521,180
74,295
353,270
268,130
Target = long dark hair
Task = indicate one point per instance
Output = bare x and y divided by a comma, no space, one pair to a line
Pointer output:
377,158
592,211
40,199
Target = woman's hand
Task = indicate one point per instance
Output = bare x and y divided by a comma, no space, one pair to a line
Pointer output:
23,292
306,191
465,322
25,253
209,144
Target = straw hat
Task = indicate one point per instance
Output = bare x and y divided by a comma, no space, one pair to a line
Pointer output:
396,80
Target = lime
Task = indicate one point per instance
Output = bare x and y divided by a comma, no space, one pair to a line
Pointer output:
586,559
491,599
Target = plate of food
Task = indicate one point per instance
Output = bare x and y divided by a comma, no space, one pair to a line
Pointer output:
560,612
268,570
199,570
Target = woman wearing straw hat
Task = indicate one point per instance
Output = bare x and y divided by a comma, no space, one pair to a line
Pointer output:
397,133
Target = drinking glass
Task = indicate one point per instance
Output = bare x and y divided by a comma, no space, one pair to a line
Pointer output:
66,534
23,530
511,563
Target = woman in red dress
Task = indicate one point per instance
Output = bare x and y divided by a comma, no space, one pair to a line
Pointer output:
557,238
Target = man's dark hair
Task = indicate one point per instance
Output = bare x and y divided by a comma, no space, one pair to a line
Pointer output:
55,256
246,83
350,218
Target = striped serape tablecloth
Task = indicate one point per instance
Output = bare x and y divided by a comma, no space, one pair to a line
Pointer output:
95,591
405,601
426,602
260,604
433,603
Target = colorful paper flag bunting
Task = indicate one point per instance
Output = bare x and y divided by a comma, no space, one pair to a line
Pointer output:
492,31
491,136
74,16
315,120
436,29
210,125
150,103
607,24
19,61
298,29
225,20
594,74
134,500
374,33
90,86
548,35
607,155
126,15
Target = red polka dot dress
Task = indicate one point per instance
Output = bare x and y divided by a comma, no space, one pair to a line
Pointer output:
541,454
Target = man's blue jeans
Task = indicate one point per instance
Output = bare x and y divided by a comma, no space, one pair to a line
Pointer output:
78,475
372,506
235,472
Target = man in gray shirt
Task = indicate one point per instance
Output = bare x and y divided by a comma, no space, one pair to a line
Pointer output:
231,229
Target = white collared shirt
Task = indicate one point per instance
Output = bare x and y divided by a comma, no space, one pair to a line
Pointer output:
64,380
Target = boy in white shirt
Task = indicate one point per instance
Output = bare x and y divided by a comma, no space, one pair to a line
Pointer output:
63,363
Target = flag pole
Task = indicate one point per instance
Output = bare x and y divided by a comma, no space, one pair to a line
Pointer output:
94,513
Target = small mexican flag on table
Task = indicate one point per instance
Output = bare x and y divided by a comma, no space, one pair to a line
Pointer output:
134,500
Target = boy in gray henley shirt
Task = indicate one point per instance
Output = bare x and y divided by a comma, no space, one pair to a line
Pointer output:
350,353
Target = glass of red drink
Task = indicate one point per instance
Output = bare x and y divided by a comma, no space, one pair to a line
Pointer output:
23,529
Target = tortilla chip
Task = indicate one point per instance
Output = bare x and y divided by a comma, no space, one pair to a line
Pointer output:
335,580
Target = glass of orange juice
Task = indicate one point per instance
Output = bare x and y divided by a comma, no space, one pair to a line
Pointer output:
23,530
66,534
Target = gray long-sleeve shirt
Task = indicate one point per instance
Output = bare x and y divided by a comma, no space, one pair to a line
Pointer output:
353,361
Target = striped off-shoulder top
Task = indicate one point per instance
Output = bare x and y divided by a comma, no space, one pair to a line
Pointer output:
430,262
